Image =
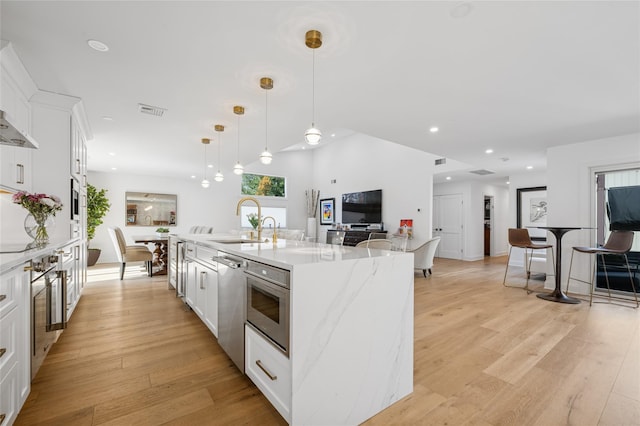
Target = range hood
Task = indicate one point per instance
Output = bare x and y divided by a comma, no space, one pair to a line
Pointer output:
9,135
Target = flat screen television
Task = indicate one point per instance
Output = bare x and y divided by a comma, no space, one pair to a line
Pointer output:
363,208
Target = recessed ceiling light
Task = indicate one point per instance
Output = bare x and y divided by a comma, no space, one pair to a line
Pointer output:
461,10
304,147
333,135
193,176
434,129
210,166
529,167
97,45
508,182
114,168
448,178
113,154
489,151
107,118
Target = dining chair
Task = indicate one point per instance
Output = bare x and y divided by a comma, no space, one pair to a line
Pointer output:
423,255
399,241
376,244
619,244
127,254
519,237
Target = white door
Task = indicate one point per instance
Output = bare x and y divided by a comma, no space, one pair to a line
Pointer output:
447,224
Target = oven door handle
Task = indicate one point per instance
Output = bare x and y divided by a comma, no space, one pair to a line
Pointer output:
231,263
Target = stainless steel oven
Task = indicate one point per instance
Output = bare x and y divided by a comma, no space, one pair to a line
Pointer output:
49,307
75,199
268,302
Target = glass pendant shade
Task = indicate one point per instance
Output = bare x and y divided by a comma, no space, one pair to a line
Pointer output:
219,177
266,157
238,169
313,136
204,183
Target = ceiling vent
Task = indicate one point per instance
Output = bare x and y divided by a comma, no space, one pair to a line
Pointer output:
482,172
440,161
151,110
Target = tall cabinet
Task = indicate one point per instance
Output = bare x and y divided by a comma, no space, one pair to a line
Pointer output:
61,162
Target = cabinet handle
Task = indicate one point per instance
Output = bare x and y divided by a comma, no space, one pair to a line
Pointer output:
202,275
2,297
262,367
20,174
77,166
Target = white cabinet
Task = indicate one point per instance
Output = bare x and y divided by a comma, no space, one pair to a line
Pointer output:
16,87
270,370
78,151
16,168
15,356
201,289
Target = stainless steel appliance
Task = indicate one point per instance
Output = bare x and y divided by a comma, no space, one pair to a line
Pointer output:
268,302
75,200
49,307
231,303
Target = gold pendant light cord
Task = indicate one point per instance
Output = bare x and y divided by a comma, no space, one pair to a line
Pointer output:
266,121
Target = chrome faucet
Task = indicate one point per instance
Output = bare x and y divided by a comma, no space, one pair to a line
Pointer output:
275,237
242,200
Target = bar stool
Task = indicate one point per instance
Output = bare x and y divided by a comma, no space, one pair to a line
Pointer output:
519,237
619,243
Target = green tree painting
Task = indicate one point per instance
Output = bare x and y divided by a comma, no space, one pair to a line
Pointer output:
269,186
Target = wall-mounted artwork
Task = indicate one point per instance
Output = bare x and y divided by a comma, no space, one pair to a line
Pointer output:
327,211
263,185
532,211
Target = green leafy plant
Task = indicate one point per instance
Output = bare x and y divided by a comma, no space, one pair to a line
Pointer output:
254,220
162,230
97,207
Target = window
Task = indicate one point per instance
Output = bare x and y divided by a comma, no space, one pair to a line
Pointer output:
278,213
263,185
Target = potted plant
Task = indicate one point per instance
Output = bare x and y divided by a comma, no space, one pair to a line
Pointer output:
97,207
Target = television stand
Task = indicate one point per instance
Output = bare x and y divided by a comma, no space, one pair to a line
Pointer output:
351,237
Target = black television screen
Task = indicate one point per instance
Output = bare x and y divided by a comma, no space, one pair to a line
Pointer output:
362,207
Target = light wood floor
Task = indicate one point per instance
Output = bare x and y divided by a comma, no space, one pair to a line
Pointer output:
484,355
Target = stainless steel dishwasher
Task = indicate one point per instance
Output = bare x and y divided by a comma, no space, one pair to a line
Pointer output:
231,306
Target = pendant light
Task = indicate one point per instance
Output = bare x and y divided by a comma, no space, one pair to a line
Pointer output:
238,169
219,128
313,40
205,182
267,84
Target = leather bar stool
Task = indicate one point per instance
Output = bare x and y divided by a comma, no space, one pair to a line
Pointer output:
619,243
519,237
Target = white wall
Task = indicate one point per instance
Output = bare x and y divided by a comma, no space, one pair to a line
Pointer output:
362,163
571,191
214,206
473,193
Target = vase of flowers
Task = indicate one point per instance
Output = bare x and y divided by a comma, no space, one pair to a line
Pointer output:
42,208
254,221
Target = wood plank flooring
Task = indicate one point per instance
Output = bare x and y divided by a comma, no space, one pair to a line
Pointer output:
484,355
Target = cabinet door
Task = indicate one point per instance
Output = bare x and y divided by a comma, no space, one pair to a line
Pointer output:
211,300
15,168
201,291
190,287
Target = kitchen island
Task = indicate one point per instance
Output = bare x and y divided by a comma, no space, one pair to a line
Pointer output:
350,352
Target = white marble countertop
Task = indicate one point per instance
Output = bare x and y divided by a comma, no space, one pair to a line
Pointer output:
9,261
286,253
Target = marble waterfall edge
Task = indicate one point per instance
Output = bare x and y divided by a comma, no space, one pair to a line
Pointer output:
352,339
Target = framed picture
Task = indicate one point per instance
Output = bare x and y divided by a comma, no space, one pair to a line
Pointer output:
327,211
532,211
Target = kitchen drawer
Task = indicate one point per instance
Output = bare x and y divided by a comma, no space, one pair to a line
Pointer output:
190,250
270,273
275,382
205,255
10,290
9,402
8,341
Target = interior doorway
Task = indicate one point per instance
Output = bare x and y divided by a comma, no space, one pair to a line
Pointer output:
488,218
447,224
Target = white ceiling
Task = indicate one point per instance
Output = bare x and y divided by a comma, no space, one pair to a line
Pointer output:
517,77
